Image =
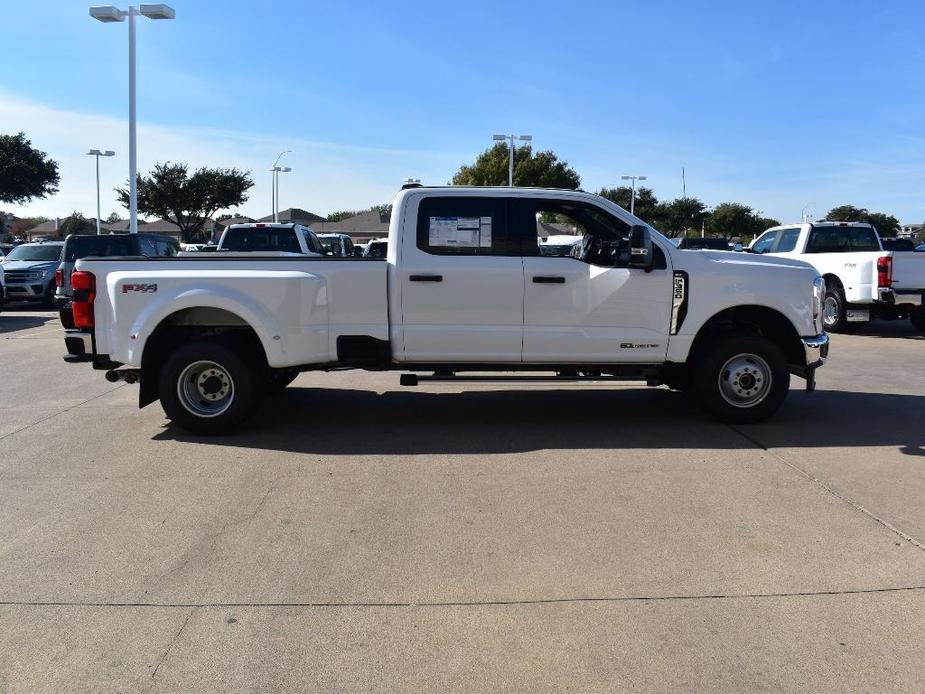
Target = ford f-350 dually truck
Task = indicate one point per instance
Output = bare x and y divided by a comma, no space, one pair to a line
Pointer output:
463,289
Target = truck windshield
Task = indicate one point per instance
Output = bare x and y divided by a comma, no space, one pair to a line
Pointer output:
261,239
35,253
102,246
842,239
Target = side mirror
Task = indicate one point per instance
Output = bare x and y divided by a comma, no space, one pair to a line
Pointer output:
641,254
737,247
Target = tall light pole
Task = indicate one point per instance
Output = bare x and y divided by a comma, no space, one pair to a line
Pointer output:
510,163
108,13
803,211
274,188
277,170
633,195
99,153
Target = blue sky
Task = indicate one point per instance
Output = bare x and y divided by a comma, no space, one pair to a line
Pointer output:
777,104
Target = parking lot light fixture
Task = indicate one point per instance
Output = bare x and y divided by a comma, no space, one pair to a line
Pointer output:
273,187
277,170
99,153
107,14
633,195
510,163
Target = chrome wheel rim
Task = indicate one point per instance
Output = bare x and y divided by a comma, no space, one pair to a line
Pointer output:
745,380
205,389
830,311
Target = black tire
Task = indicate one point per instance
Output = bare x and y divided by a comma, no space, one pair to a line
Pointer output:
278,379
67,316
48,301
186,375
918,320
835,310
741,380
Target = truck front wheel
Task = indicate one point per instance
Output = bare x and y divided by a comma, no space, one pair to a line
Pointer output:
741,380
207,388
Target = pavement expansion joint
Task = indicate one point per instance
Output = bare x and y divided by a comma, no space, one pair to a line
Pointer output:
829,489
193,606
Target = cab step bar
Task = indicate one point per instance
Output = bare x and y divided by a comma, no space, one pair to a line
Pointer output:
439,377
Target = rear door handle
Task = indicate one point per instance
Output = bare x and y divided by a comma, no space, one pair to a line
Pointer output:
426,278
548,279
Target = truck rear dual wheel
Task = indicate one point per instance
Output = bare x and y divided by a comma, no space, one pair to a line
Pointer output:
207,387
918,320
741,380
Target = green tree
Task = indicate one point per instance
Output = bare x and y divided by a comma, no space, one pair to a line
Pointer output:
846,213
113,218
766,223
885,224
76,223
677,217
341,214
730,219
188,201
25,172
543,169
647,205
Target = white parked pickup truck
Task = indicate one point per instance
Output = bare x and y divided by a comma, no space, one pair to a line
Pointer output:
862,280
463,288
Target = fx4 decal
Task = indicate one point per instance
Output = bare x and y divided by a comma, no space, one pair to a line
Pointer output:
141,288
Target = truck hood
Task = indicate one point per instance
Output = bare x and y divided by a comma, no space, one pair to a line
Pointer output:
755,260
11,265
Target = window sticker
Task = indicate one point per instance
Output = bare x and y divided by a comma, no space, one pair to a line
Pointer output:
485,232
456,232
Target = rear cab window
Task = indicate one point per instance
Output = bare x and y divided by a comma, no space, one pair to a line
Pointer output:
836,238
261,239
78,247
462,225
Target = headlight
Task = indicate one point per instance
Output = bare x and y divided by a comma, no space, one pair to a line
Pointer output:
818,298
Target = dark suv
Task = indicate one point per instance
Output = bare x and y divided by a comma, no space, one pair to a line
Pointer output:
79,246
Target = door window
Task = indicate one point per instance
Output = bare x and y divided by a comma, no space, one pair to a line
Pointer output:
765,242
165,249
147,248
565,228
456,225
788,240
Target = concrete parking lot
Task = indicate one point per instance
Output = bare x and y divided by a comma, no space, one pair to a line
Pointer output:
362,537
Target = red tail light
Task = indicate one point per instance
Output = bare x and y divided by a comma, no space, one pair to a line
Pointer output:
83,286
59,278
885,271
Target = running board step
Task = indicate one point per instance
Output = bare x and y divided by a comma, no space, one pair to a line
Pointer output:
415,379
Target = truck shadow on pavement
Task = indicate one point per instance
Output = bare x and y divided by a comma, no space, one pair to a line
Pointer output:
359,422
10,322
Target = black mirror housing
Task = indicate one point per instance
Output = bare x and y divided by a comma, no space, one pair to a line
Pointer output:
641,253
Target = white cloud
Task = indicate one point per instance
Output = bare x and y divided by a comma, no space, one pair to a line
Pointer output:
326,176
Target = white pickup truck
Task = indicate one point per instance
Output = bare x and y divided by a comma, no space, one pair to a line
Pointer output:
463,288
862,280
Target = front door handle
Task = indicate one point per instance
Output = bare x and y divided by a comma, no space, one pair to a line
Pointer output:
426,278
548,279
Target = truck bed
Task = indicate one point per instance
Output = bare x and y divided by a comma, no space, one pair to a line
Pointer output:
299,306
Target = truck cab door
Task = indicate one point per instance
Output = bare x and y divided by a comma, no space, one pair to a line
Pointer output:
461,282
584,304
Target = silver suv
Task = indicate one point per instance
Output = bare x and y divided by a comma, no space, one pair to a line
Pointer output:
29,271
